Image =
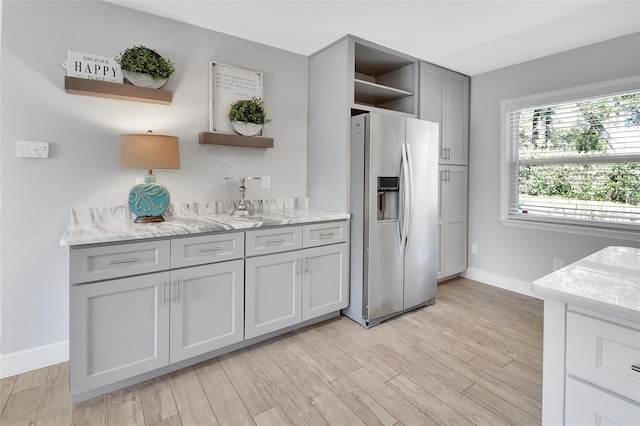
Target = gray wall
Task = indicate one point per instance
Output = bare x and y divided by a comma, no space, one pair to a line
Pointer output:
516,253
83,133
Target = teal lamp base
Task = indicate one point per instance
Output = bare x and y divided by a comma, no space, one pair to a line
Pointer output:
148,201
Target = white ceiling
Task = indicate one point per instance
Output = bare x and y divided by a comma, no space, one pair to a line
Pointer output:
471,37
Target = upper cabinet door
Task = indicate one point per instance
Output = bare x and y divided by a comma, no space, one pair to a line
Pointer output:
456,119
432,87
444,98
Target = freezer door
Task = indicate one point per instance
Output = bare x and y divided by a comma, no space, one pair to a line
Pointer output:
383,268
420,262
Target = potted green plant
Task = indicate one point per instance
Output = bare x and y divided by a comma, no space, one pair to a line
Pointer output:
248,116
145,67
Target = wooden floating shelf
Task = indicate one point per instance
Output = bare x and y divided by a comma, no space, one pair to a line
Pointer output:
218,138
127,92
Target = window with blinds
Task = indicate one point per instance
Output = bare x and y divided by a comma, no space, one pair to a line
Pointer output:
576,162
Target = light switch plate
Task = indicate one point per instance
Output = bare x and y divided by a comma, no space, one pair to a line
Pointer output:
32,149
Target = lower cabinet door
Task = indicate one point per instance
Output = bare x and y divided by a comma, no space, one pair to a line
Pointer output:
586,405
325,287
207,308
452,220
272,292
119,329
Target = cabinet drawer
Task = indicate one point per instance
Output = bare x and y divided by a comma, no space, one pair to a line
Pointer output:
603,353
273,240
321,234
586,405
206,249
121,260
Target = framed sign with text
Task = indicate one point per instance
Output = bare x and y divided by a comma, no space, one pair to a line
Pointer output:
228,84
92,67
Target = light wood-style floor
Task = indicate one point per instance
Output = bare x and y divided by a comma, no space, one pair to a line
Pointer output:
475,357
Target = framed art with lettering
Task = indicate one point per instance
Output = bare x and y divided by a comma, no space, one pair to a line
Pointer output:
228,84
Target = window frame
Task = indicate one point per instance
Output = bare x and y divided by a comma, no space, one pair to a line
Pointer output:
610,87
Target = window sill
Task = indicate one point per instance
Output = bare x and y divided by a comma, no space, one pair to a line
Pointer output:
590,231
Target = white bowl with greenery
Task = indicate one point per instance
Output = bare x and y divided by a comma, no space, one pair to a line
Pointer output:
248,116
145,67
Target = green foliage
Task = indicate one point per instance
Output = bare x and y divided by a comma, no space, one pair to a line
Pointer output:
623,185
542,131
249,111
570,131
145,60
592,182
582,140
629,103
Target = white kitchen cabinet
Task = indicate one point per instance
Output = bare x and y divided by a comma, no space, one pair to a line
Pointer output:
118,329
276,240
325,287
125,327
322,234
207,308
119,260
589,406
202,249
129,325
601,386
272,292
591,358
603,353
284,289
452,220
444,99
142,309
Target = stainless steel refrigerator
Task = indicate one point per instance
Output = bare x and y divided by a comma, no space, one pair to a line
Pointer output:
393,198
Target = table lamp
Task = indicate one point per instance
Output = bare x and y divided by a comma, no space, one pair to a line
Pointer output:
149,200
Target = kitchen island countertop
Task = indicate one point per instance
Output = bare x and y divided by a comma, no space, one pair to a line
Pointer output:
607,281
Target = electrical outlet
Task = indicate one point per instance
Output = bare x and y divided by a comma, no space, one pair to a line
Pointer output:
474,248
266,182
557,264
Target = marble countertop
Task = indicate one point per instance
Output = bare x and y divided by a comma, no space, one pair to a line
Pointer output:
106,231
607,281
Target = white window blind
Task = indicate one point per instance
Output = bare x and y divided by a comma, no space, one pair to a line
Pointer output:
576,162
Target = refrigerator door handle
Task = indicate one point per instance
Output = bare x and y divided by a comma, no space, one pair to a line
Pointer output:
406,207
401,202
410,190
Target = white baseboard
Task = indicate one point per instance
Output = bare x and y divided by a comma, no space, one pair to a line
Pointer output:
501,281
32,359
